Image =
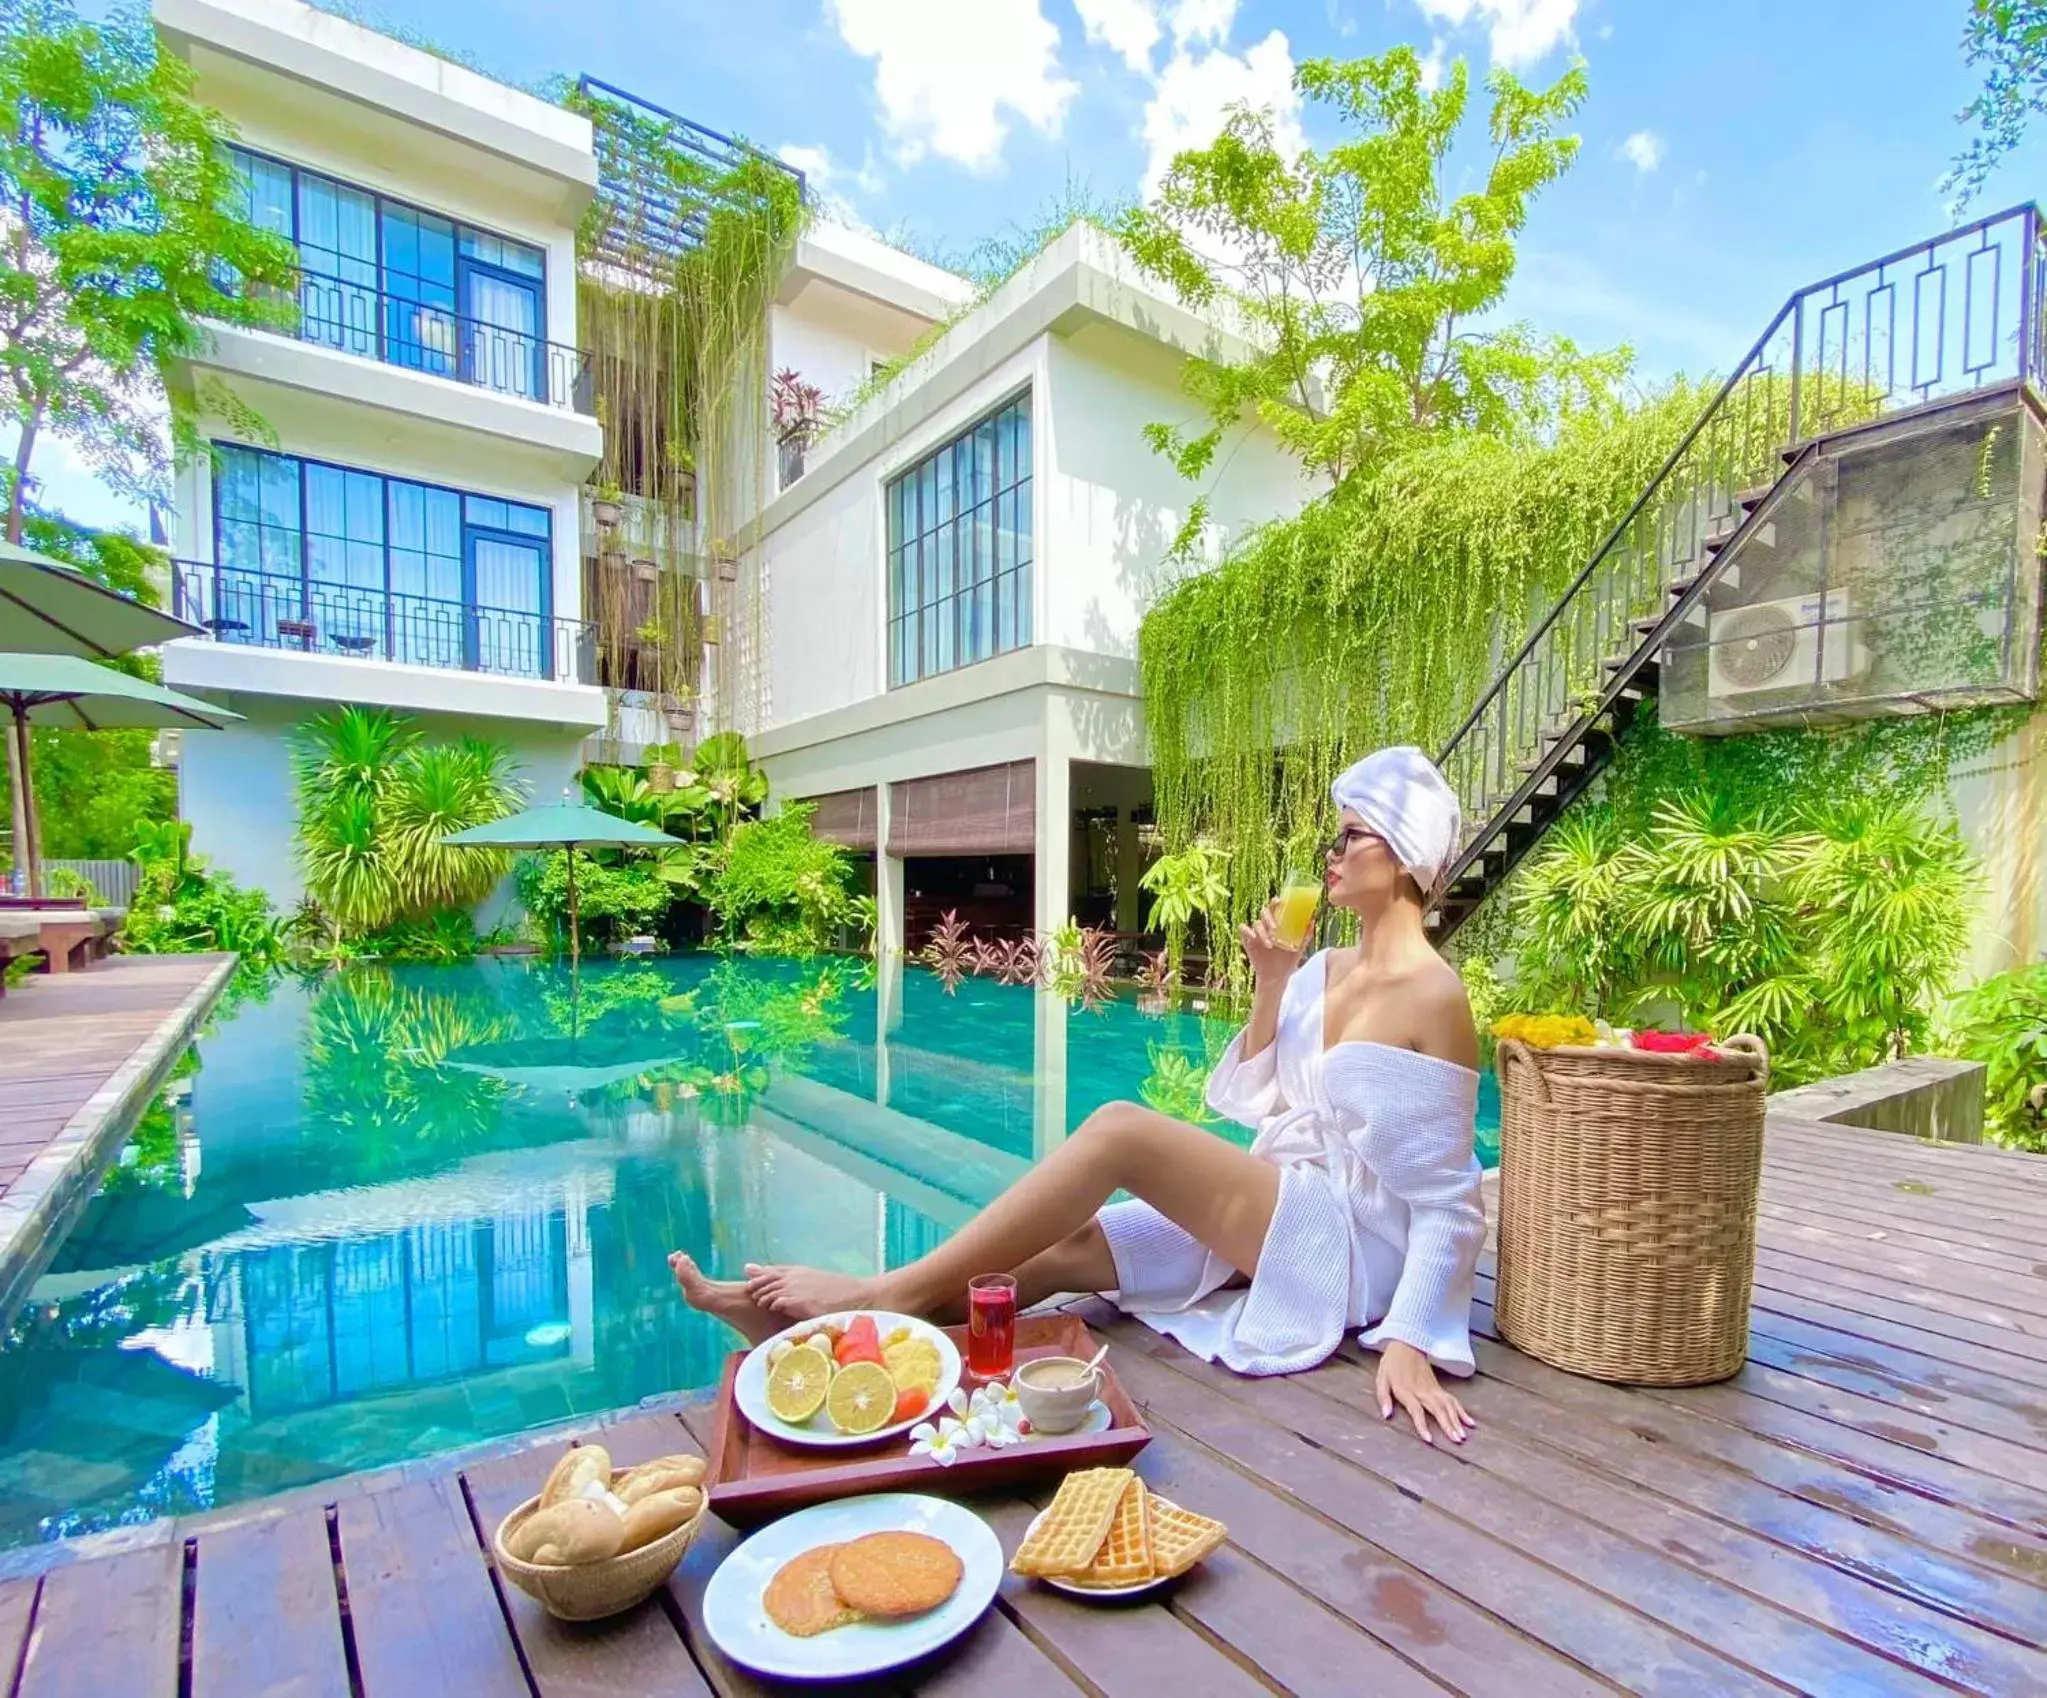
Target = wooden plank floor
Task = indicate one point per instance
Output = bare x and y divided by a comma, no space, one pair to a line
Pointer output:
1863,1510
63,1036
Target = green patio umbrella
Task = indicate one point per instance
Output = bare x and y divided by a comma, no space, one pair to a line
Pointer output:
567,824
47,607
64,690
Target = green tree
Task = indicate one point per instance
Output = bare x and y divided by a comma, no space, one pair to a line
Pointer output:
121,231
2008,38
1360,283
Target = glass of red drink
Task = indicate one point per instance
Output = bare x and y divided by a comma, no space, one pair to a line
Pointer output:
991,1325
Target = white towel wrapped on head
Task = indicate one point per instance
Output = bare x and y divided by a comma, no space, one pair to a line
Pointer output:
1401,796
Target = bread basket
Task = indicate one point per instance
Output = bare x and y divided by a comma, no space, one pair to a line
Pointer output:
590,1591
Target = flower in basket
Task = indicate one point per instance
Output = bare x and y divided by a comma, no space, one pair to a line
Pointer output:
1547,1031
1677,1043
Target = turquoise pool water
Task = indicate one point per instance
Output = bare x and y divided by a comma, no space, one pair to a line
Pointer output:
391,1212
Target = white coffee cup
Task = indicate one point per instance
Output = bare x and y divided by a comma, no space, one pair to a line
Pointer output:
1056,1392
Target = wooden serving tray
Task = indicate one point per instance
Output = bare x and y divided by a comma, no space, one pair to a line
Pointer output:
754,1478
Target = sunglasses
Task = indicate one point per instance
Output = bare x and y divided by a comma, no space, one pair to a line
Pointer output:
1346,840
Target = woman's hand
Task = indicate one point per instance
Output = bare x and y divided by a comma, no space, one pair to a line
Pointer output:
1271,961
1407,1379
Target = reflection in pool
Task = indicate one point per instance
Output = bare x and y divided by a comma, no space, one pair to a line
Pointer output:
391,1212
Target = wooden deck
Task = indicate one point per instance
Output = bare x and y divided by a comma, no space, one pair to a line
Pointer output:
80,1054
1863,1511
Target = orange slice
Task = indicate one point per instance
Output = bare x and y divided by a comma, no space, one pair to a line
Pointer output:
797,1385
861,1397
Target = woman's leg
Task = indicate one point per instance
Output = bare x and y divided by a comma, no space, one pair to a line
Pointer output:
1078,1262
1222,1195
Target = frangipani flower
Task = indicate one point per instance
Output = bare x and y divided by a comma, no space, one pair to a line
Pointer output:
1000,1413
942,1443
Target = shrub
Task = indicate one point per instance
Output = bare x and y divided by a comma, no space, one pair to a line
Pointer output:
783,890
182,908
2002,1023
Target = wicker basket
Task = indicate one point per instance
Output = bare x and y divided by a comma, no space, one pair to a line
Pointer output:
590,1591
1628,1209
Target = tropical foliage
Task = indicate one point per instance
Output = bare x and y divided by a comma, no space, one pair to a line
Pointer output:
2008,40
1186,886
376,798
181,906
783,890
1811,888
1363,286
2002,1022
678,354
123,233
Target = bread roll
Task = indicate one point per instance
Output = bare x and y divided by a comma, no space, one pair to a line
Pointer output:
582,1463
682,1462
652,1517
646,1480
572,1531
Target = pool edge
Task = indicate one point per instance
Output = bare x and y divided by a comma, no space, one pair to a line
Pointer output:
40,1207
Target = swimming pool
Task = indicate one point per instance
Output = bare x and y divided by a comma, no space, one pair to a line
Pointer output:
394,1211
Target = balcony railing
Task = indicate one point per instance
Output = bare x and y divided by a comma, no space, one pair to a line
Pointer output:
425,336
302,615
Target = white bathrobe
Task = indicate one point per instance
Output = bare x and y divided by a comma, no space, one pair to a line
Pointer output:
1379,1221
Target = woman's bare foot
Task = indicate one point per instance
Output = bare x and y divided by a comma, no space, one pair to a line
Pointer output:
802,1294
725,1298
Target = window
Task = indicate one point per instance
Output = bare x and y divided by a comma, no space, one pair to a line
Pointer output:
394,283
333,560
959,550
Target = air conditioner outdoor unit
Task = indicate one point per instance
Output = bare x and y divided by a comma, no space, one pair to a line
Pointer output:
1777,645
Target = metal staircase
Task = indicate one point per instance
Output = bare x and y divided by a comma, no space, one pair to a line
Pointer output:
1920,329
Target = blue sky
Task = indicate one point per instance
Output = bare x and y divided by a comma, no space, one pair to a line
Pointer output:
1732,151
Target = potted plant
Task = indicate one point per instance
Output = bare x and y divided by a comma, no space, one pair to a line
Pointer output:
797,410
607,506
713,630
652,633
661,758
726,561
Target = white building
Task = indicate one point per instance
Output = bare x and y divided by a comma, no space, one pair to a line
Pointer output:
947,596
412,538
954,588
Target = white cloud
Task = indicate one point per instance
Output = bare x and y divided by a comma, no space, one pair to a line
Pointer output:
1434,63
1128,28
1518,32
946,73
832,181
1643,150
1202,20
1192,97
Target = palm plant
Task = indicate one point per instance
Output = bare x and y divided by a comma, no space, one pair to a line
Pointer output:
375,802
438,788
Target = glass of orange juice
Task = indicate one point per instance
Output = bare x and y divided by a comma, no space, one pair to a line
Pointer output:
1297,904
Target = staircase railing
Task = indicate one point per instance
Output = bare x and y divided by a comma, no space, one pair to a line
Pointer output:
1944,317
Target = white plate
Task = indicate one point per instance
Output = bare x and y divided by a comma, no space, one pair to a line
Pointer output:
1061,1583
750,1389
734,1618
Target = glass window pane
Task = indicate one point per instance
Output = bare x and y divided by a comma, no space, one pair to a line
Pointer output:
528,521
1022,413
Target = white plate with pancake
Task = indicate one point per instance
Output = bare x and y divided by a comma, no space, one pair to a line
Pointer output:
737,1619
750,1387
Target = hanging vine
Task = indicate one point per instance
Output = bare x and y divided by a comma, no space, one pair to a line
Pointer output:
1375,616
681,255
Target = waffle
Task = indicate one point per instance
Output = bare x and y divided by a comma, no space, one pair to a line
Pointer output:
1179,1537
1125,1557
1073,1527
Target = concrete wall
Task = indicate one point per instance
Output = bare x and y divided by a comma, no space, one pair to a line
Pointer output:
2001,800
235,787
1923,1097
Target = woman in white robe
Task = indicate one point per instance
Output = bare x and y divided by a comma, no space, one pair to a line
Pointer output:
1357,1205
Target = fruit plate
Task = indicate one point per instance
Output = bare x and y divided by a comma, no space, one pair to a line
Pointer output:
754,1478
750,1389
738,1623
